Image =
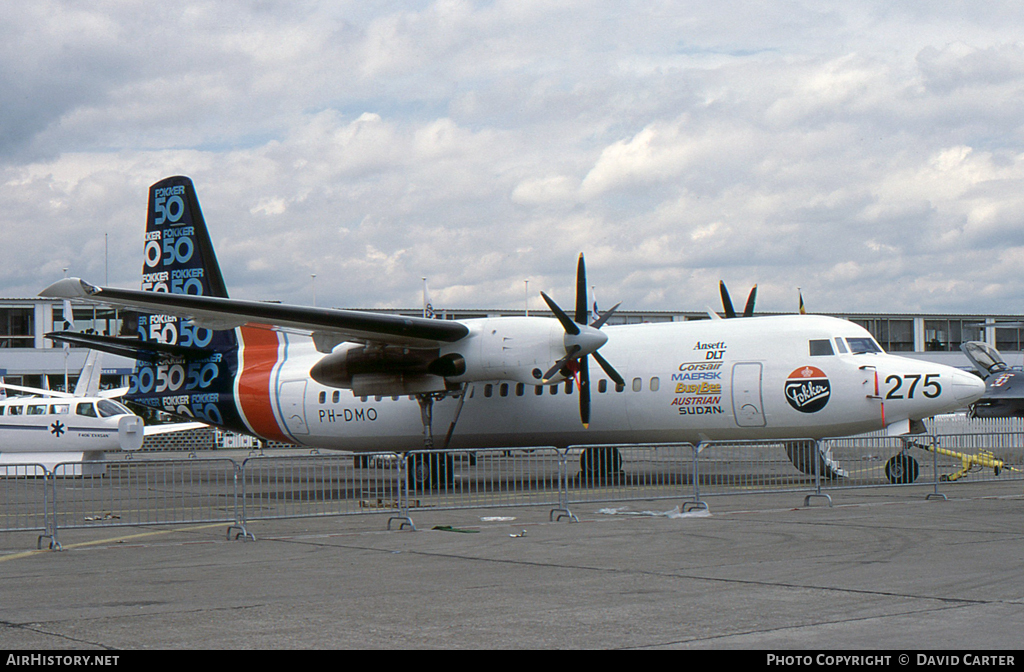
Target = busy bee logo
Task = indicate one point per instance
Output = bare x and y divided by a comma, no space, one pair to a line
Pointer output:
808,389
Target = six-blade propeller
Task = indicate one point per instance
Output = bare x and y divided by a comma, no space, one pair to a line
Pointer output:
748,310
581,341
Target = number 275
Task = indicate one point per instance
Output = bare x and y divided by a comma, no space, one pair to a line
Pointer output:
931,387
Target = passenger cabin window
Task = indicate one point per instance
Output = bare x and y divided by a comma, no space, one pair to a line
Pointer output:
538,390
520,389
323,397
638,384
59,409
16,410
655,384
488,390
859,346
37,409
821,347
602,386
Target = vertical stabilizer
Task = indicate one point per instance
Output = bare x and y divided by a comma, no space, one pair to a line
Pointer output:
179,258
89,381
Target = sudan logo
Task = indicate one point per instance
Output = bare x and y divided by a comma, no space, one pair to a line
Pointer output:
807,389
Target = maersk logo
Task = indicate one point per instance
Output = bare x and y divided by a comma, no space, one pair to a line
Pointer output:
808,389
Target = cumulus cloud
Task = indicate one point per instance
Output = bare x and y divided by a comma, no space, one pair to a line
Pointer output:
871,155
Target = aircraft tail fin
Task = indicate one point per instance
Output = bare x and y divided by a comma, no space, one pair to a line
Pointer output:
181,367
179,256
89,381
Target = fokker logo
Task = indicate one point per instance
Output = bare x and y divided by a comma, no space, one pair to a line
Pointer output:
57,429
807,389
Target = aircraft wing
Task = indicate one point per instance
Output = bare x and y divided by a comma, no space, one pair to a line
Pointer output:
36,391
328,326
156,430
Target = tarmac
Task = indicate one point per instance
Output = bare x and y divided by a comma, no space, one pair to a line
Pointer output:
882,569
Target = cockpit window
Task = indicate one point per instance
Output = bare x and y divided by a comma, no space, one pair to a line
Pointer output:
821,347
859,346
840,345
110,408
984,356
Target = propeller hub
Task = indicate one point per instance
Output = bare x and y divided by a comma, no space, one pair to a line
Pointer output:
588,340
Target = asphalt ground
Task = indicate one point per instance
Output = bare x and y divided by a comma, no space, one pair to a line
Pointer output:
883,570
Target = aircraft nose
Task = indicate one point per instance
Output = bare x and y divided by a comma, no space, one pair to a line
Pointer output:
967,387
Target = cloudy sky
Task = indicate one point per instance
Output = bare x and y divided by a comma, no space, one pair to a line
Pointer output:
871,153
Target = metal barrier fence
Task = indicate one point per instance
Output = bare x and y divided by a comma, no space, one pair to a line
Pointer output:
26,501
211,490
147,492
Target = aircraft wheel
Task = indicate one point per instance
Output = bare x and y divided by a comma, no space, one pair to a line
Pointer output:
430,470
901,469
600,462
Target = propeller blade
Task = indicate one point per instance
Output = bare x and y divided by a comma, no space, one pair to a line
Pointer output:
609,369
748,311
584,383
599,322
582,312
570,327
726,301
560,364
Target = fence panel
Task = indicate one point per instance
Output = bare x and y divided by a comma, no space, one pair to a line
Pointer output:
731,467
630,472
147,492
24,499
319,485
484,478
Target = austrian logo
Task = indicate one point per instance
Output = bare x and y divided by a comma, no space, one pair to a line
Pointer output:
808,389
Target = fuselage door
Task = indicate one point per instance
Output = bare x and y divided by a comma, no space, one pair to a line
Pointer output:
746,394
292,400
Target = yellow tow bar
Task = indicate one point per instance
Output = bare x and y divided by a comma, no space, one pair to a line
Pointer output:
982,459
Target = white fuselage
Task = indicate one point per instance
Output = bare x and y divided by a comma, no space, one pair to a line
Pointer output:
752,378
62,425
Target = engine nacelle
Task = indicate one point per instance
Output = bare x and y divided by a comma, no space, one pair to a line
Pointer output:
520,349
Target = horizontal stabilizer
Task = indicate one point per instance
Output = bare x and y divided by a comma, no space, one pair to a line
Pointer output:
131,348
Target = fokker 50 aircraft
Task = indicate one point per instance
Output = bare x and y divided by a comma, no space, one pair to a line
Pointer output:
363,381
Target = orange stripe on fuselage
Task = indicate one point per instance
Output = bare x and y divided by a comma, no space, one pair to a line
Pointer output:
258,355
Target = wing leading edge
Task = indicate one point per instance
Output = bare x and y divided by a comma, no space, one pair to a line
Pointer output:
328,326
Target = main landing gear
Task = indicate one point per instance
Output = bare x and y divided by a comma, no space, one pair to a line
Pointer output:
600,464
433,469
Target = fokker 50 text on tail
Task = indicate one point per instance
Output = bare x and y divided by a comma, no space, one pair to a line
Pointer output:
363,381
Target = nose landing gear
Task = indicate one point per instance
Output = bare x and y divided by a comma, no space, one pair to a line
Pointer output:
901,469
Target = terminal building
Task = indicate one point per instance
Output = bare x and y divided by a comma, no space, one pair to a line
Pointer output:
27,357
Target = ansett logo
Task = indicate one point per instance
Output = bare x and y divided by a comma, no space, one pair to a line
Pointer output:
807,389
